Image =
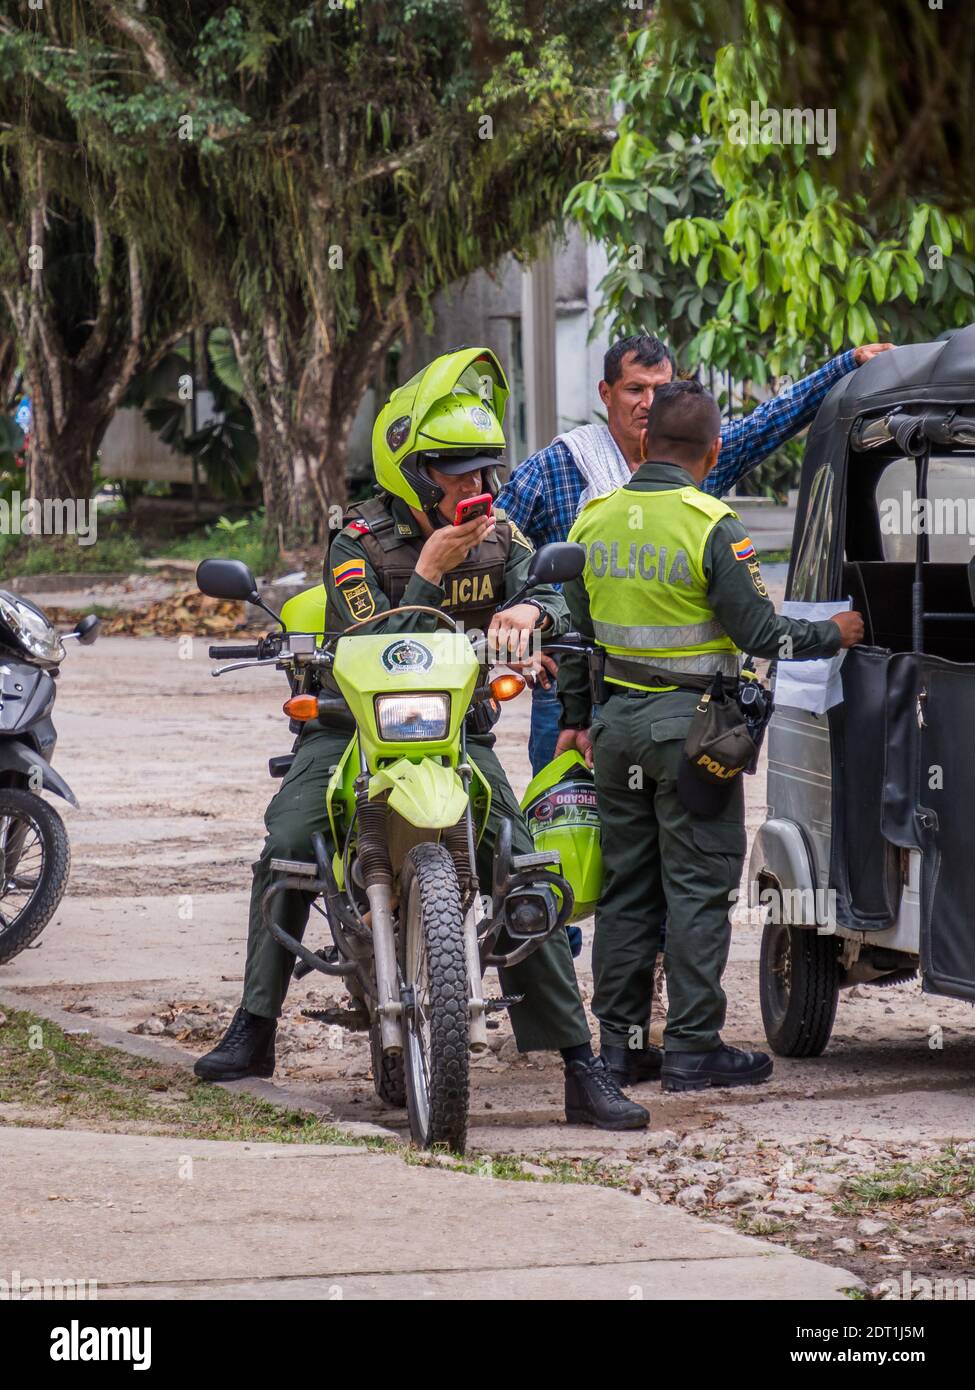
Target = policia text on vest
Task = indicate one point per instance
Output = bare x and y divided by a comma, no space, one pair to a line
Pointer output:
671,583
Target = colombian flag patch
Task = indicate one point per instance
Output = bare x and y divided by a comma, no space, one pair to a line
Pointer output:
743,550
352,569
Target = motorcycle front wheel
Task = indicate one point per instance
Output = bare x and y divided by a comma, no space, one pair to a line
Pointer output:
35,859
435,994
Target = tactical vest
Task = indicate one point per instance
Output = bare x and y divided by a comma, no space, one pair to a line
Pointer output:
646,584
473,590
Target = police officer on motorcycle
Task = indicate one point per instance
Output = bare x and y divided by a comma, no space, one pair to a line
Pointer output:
435,443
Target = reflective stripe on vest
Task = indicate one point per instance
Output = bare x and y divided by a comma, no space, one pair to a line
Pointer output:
618,635
645,579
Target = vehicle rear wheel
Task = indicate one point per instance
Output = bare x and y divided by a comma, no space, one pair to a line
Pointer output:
35,859
799,983
436,1015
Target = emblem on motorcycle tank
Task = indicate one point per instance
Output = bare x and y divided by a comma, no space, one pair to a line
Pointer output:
406,655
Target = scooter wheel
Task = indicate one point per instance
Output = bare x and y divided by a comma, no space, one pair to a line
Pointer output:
35,859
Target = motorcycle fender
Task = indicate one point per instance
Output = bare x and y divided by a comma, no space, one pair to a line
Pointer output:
426,794
780,853
16,757
340,795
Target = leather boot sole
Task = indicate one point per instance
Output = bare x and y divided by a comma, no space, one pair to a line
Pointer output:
697,1081
263,1069
585,1117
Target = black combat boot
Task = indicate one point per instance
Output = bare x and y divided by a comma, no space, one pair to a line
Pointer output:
592,1097
723,1066
246,1049
631,1065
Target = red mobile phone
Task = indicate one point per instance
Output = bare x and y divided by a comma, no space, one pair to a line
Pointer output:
472,507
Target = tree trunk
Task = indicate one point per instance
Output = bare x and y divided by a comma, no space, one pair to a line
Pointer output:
303,430
68,426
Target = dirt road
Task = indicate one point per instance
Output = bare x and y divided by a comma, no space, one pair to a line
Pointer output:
170,767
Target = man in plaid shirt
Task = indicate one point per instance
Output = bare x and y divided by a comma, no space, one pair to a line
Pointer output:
542,495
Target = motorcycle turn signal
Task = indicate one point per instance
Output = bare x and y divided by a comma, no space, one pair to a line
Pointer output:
301,707
505,685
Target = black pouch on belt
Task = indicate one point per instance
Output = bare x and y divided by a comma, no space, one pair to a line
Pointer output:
717,750
597,668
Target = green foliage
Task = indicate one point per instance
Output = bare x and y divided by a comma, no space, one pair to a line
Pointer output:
753,262
244,539
900,75
114,552
226,445
316,173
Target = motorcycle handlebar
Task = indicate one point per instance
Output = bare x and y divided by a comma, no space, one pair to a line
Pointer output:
235,653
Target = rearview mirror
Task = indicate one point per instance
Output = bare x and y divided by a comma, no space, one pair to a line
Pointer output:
87,630
557,563
226,579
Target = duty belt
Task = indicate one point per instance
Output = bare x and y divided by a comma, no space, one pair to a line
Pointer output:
638,673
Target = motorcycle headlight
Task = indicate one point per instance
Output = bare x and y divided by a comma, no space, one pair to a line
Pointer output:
402,718
30,629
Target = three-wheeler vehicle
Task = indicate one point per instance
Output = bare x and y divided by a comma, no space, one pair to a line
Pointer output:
866,861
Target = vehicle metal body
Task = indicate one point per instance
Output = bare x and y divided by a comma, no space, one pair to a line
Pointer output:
864,861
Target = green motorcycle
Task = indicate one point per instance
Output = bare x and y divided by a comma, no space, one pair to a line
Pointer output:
412,933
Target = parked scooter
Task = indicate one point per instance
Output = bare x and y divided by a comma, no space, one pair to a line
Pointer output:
35,856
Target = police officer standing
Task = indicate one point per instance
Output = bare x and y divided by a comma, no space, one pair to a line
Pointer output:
672,593
435,445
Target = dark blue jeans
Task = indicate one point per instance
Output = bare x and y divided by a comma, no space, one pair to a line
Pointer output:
545,727
541,750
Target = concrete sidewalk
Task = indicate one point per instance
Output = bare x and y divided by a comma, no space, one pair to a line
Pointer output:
155,1218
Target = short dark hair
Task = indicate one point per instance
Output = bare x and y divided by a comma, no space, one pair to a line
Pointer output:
648,351
682,423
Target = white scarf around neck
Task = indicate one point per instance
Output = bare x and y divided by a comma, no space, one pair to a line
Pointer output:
597,456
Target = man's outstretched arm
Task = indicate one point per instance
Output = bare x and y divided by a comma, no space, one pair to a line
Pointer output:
748,440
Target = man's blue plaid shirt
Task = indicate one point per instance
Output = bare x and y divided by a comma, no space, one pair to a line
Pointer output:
542,495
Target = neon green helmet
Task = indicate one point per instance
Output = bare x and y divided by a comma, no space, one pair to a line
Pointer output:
449,414
560,807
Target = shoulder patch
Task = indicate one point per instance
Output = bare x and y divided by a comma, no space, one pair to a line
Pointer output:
348,570
356,528
519,537
755,570
360,601
743,550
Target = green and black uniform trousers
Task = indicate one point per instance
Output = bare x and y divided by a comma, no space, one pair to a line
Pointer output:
660,863
550,1016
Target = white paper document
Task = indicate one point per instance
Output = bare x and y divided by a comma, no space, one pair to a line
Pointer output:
811,685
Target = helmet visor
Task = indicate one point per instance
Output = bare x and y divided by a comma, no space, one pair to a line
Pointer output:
452,465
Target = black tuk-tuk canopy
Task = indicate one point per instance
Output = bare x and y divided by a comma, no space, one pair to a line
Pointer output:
902,756
935,381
